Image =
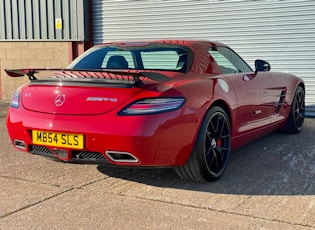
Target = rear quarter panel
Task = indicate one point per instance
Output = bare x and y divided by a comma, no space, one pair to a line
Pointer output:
202,92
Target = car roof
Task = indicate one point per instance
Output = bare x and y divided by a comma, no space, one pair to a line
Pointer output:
185,42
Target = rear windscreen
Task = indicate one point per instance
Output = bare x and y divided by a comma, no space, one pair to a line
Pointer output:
166,58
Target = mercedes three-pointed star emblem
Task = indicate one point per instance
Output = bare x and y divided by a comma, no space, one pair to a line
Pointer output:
60,99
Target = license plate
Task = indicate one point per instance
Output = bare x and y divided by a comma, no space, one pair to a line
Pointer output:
67,140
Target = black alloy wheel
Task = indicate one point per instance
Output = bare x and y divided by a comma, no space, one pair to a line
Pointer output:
217,144
297,113
212,149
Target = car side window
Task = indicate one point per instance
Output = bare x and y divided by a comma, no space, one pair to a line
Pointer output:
228,60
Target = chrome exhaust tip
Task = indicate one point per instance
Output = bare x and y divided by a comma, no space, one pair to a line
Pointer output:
19,144
122,157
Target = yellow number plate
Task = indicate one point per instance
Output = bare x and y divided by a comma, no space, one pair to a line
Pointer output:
68,140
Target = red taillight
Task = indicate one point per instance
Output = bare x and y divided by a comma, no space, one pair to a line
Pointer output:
153,105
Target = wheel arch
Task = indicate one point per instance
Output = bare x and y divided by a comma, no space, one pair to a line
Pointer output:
302,85
294,88
297,84
221,103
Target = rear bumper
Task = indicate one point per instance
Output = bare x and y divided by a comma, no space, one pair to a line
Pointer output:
152,140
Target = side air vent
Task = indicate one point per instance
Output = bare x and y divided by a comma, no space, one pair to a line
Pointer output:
281,100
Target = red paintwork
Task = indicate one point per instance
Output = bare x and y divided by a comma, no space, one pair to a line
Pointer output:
164,139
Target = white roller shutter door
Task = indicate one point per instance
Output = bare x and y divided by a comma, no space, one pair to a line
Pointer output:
281,32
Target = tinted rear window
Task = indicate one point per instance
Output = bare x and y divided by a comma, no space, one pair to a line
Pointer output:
150,57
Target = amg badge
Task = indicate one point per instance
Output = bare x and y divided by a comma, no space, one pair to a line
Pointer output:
111,99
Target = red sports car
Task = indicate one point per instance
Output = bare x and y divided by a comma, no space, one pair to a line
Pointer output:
170,103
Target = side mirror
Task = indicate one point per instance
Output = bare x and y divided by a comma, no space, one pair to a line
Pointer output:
261,66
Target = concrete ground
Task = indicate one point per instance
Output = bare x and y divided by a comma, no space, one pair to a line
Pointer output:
269,184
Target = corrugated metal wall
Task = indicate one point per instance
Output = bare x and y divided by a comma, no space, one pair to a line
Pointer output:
36,20
279,31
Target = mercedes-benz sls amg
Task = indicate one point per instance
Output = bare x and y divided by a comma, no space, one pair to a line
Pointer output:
171,103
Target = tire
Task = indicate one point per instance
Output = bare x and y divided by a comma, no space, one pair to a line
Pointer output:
211,152
297,113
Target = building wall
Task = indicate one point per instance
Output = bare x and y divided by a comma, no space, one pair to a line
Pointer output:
29,54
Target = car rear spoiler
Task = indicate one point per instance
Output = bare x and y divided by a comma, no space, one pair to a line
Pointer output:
89,73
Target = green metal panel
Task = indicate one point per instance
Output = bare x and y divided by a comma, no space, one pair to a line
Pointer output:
57,20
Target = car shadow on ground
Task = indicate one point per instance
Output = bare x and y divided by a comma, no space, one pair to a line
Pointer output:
277,164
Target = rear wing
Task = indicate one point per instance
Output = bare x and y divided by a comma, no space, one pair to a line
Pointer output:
90,73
